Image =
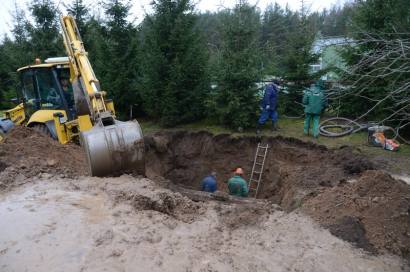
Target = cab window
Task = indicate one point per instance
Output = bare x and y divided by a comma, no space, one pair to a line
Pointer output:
63,75
48,90
29,92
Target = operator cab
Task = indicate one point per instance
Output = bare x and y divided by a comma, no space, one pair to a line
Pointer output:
47,87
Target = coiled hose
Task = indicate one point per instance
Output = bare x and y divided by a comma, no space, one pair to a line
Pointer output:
347,126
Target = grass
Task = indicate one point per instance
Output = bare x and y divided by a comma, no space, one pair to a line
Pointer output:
288,128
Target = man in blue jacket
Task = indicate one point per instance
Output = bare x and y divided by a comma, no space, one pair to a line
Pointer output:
208,184
269,105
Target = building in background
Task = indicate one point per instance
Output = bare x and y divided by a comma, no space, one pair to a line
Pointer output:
330,59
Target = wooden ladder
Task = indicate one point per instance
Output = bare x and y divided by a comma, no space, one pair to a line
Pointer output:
257,169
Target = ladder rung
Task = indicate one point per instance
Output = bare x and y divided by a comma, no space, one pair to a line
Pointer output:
261,146
253,189
260,155
257,163
254,180
257,172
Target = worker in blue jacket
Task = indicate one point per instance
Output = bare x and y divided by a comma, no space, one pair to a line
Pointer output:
209,184
269,106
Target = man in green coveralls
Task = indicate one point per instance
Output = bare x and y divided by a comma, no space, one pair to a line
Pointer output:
314,102
237,185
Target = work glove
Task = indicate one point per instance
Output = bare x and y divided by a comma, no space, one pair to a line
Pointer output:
267,107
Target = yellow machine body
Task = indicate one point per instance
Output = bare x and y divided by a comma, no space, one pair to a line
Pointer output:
16,114
78,111
44,116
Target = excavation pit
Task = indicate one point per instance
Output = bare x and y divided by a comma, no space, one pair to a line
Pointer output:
293,171
340,189
335,187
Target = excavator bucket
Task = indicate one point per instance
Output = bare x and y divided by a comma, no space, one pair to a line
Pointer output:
114,149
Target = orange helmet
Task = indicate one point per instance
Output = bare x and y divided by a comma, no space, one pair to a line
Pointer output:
239,171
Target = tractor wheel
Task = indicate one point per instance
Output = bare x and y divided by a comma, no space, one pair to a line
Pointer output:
41,128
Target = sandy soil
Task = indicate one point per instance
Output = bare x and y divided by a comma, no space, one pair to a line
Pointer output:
25,154
55,218
93,224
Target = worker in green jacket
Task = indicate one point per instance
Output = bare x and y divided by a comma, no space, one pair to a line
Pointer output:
314,102
237,185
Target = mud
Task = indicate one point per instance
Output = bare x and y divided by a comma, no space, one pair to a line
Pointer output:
377,203
85,224
26,154
129,222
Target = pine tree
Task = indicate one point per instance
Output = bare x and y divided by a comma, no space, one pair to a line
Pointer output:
45,40
7,78
14,54
235,99
174,64
117,67
21,45
80,12
297,57
274,40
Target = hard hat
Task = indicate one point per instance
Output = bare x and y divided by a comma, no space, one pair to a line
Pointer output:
239,171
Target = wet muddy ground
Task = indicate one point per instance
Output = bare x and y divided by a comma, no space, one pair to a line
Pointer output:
318,209
92,224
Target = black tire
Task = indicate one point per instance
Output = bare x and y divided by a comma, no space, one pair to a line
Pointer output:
42,129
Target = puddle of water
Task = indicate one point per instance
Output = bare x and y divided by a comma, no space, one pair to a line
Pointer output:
44,229
404,178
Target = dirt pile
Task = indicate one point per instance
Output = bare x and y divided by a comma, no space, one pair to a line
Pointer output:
169,203
372,212
26,154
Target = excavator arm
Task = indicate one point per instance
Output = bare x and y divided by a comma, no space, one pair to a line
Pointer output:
111,146
88,97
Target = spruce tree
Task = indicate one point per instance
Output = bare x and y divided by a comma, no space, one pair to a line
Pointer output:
14,54
114,49
44,36
21,52
297,57
79,11
274,40
235,98
7,75
174,64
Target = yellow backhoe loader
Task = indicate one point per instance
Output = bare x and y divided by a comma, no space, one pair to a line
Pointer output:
62,98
